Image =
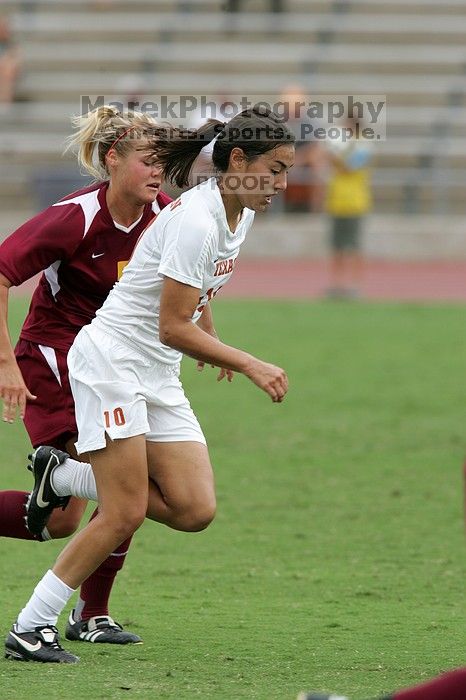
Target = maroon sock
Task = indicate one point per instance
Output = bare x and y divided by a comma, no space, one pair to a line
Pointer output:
12,514
450,686
95,591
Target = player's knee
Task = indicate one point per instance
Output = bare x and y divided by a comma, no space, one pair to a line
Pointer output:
124,523
199,516
123,529
203,520
134,516
132,522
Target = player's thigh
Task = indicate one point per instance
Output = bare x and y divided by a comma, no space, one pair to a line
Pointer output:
178,457
121,476
183,473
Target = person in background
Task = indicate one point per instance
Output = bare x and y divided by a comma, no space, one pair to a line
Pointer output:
306,184
81,245
9,63
348,200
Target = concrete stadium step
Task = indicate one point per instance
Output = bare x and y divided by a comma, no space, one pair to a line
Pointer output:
399,7
403,195
426,130
55,118
337,6
438,28
22,187
417,89
17,146
108,6
179,6
76,55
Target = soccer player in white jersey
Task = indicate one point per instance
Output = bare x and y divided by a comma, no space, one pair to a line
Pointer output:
133,417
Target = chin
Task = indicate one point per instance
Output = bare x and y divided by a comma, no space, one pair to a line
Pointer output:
261,207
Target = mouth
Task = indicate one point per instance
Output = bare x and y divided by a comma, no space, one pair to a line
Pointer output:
267,201
154,186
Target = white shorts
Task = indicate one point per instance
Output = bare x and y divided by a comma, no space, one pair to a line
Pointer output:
122,393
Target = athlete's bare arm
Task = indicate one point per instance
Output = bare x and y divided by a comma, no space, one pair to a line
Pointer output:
13,390
206,322
177,306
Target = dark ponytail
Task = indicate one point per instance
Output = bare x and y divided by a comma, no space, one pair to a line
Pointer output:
177,149
255,131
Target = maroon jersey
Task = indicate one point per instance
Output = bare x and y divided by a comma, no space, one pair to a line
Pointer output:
82,253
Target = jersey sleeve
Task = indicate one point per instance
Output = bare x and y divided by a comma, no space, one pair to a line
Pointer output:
163,199
187,246
52,235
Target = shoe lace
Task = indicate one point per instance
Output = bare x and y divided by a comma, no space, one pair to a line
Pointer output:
54,644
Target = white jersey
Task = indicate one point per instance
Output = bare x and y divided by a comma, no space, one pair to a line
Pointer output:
190,242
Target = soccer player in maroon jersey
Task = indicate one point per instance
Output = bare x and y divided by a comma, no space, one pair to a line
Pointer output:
81,244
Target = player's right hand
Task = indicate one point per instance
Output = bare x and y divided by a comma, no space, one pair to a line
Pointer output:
269,378
228,373
13,391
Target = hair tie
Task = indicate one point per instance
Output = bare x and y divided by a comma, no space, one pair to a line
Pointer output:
121,137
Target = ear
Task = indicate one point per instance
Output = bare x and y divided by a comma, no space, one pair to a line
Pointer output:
237,159
111,158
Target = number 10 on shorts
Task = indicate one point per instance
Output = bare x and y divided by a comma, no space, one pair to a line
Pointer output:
117,417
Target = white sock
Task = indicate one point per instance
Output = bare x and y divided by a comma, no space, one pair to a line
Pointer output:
73,478
78,609
45,605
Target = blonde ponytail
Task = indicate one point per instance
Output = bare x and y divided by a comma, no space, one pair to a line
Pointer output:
101,129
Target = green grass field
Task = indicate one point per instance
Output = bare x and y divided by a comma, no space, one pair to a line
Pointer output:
336,559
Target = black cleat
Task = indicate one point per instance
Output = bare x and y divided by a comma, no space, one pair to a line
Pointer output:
41,645
43,498
99,629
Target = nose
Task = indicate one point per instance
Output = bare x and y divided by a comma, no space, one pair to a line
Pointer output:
281,182
156,170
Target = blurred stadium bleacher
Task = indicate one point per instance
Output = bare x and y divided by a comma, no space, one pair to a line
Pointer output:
414,52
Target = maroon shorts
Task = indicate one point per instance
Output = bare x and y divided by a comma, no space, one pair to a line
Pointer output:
49,420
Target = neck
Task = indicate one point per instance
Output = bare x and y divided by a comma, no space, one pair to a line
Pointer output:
122,210
233,208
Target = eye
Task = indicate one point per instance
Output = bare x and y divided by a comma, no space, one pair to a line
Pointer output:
275,172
